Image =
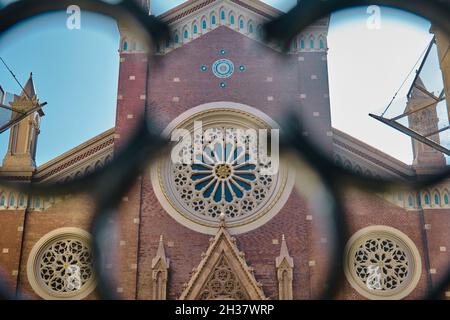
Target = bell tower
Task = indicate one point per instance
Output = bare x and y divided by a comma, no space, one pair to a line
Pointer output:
424,122
443,46
21,153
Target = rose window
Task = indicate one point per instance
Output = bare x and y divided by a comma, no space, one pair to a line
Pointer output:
225,172
382,263
223,179
60,265
66,266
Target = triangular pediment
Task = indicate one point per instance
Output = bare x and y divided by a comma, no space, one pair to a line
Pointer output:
223,273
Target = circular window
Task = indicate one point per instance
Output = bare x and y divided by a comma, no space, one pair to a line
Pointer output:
60,265
222,177
223,68
382,263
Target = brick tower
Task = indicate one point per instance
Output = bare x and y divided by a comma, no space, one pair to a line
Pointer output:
21,153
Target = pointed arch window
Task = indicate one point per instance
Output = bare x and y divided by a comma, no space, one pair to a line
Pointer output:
98,166
348,165
222,15
2,201
410,201
436,199
241,24
12,201
213,20
177,39
302,43
250,28
186,34
321,43
125,46
37,203
446,199
259,31
195,29
21,200
232,20
293,45
311,42
426,200
338,160
204,24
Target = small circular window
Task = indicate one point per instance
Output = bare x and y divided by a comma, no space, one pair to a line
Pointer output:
60,265
382,263
223,68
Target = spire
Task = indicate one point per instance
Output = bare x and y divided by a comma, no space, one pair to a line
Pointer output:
20,157
160,254
423,119
284,254
285,272
28,90
417,90
160,266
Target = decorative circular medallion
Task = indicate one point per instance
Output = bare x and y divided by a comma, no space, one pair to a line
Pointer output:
223,68
382,263
60,265
223,178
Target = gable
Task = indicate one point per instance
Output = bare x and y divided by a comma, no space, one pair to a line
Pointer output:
223,273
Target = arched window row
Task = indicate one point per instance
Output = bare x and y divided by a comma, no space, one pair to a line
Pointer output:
130,45
429,199
88,169
435,198
356,168
204,23
12,200
309,42
18,201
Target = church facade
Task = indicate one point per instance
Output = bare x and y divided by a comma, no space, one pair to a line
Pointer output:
219,228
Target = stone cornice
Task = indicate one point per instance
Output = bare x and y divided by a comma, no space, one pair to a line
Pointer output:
76,155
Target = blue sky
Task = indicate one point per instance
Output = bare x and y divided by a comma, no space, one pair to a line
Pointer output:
76,71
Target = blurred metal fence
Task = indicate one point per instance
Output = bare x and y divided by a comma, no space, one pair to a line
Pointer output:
107,189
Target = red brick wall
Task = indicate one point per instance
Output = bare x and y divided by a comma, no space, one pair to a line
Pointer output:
11,222
438,236
75,211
